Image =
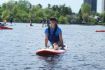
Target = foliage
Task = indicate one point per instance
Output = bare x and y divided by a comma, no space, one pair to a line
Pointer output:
24,11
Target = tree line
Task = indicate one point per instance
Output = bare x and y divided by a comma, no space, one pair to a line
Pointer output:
90,17
24,11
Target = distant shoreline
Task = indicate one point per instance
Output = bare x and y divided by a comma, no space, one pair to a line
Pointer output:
59,23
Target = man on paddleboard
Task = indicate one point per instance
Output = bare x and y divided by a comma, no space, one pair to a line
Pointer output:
54,34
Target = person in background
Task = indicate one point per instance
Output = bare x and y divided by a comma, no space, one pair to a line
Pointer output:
48,22
31,22
11,19
43,22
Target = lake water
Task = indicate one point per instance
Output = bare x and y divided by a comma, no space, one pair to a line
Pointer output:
86,48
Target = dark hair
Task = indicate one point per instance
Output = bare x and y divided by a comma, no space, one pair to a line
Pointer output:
53,19
54,30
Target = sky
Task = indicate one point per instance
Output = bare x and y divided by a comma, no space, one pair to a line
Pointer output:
74,4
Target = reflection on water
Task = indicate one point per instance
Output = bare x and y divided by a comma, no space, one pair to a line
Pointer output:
51,63
86,48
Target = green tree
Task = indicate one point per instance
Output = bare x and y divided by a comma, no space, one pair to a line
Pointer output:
85,17
103,17
85,11
80,16
48,13
5,14
24,11
0,13
63,20
49,6
86,8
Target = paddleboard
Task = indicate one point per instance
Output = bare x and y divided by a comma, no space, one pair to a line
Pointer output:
48,51
3,28
100,30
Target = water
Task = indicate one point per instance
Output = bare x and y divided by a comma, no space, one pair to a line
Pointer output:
86,48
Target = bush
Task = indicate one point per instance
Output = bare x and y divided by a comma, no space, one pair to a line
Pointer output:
5,15
85,17
69,18
63,20
92,21
103,17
